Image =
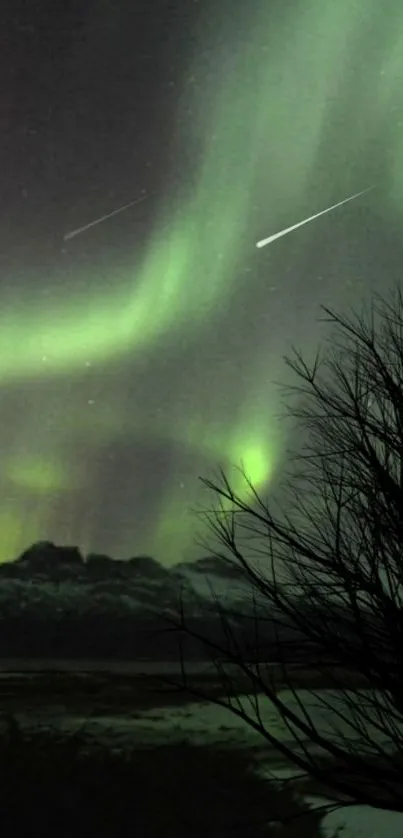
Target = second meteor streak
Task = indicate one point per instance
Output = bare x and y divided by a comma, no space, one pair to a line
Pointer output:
79,230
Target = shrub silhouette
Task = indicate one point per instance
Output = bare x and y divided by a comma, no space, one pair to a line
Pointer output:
323,559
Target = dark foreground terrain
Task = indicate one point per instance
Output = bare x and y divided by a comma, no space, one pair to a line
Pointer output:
115,692
55,787
58,784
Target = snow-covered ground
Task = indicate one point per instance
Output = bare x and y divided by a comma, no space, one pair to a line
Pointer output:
203,723
363,822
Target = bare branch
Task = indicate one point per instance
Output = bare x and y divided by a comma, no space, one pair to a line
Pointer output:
325,569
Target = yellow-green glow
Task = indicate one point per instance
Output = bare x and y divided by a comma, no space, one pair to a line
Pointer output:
38,476
299,112
262,123
20,525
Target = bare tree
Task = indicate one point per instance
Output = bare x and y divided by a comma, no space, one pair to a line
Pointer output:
329,566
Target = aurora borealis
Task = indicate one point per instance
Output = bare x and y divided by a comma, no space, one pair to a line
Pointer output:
145,352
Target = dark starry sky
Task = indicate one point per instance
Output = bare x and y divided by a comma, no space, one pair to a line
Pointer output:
141,354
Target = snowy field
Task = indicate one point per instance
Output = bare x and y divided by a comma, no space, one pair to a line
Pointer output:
202,723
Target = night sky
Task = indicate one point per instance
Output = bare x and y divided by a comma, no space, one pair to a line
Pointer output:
148,350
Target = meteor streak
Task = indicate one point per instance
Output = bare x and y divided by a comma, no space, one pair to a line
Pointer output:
102,218
275,236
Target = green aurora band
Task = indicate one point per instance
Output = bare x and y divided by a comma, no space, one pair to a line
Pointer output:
289,87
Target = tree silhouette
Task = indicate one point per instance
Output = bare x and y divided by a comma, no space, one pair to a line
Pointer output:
329,566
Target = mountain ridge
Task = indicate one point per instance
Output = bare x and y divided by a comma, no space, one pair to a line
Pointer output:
56,603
